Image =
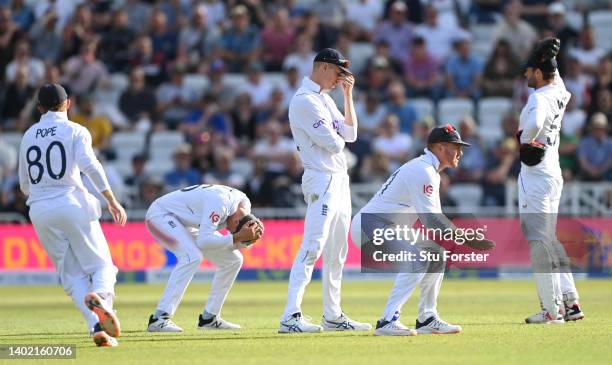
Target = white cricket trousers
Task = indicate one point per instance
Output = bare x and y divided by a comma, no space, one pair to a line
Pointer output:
181,241
73,238
326,229
538,207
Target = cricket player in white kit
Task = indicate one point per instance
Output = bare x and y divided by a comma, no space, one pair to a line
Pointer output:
65,215
540,183
187,222
411,193
320,132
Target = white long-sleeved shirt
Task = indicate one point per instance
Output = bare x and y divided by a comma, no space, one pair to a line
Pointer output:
319,129
540,120
206,208
52,154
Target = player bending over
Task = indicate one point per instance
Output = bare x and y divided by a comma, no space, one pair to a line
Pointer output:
65,215
411,193
186,222
540,183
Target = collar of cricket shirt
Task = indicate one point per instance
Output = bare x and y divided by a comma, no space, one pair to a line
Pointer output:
55,116
432,158
311,85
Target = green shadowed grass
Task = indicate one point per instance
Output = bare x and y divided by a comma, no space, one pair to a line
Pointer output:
491,313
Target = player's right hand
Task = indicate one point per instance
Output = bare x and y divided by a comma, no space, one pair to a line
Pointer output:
249,232
117,211
481,245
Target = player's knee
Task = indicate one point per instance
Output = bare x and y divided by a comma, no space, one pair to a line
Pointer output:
312,256
542,258
237,260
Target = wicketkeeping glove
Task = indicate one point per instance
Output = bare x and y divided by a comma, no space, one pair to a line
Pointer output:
532,153
547,49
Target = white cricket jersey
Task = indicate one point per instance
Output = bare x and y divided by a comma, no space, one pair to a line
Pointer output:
318,129
413,188
52,154
541,120
205,207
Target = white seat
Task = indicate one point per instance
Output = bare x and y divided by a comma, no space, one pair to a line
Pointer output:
574,19
159,167
359,54
242,166
166,138
423,106
466,195
111,93
275,79
128,144
197,82
452,110
489,135
482,32
482,49
601,21
234,80
12,138
491,112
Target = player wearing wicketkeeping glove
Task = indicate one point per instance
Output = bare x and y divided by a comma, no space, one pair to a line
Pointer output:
540,183
187,223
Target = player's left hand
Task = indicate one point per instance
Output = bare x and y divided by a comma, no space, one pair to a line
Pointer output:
548,48
117,211
482,245
346,81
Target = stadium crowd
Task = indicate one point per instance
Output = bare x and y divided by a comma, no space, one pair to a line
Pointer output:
220,75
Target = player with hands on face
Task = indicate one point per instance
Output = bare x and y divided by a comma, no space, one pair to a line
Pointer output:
540,183
187,223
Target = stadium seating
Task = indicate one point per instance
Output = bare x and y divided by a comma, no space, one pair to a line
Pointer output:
12,138
423,106
466,195
451,110
601,21
491,112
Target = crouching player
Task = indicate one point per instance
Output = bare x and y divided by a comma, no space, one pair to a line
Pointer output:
186,222
411,193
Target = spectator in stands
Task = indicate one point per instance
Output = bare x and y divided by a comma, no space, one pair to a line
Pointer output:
535,12
99,126
344,45
501,71
139,13
561,30
240,44
486,11
445,199
137,175
520,34
276,39
376,168
291,83
392,143
183,174
217,86
587,53
149,190
399,106
422,71
274,108
420,132
13,200
571,130
35,67
209,117
377,78
474,159
222,172
176,99
302,56
46,41
603,104
576,82
78,31
603,80
438,36
23,16
10,34
258,187
138,102
274,147
199,38
502,165
371,113
113,46
8,160
463,72
321,34
510,124
284,195
258,88
362,17
397,32
15,97
178,13
163,38
84,73
152,64
595,151
243,118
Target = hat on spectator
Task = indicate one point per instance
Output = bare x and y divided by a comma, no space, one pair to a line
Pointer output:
51,95
183,149
599,120
330,55
399,6
239,10
445,133
556,9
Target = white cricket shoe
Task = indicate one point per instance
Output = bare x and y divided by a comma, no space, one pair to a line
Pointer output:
162,324
344,323
393,328
543,317
435,325
573,313
298,324
216,323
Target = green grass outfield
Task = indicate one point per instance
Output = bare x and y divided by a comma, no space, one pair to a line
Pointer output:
491,313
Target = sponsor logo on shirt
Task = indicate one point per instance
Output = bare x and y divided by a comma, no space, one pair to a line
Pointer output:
336,125
214,217
427,190
318,123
